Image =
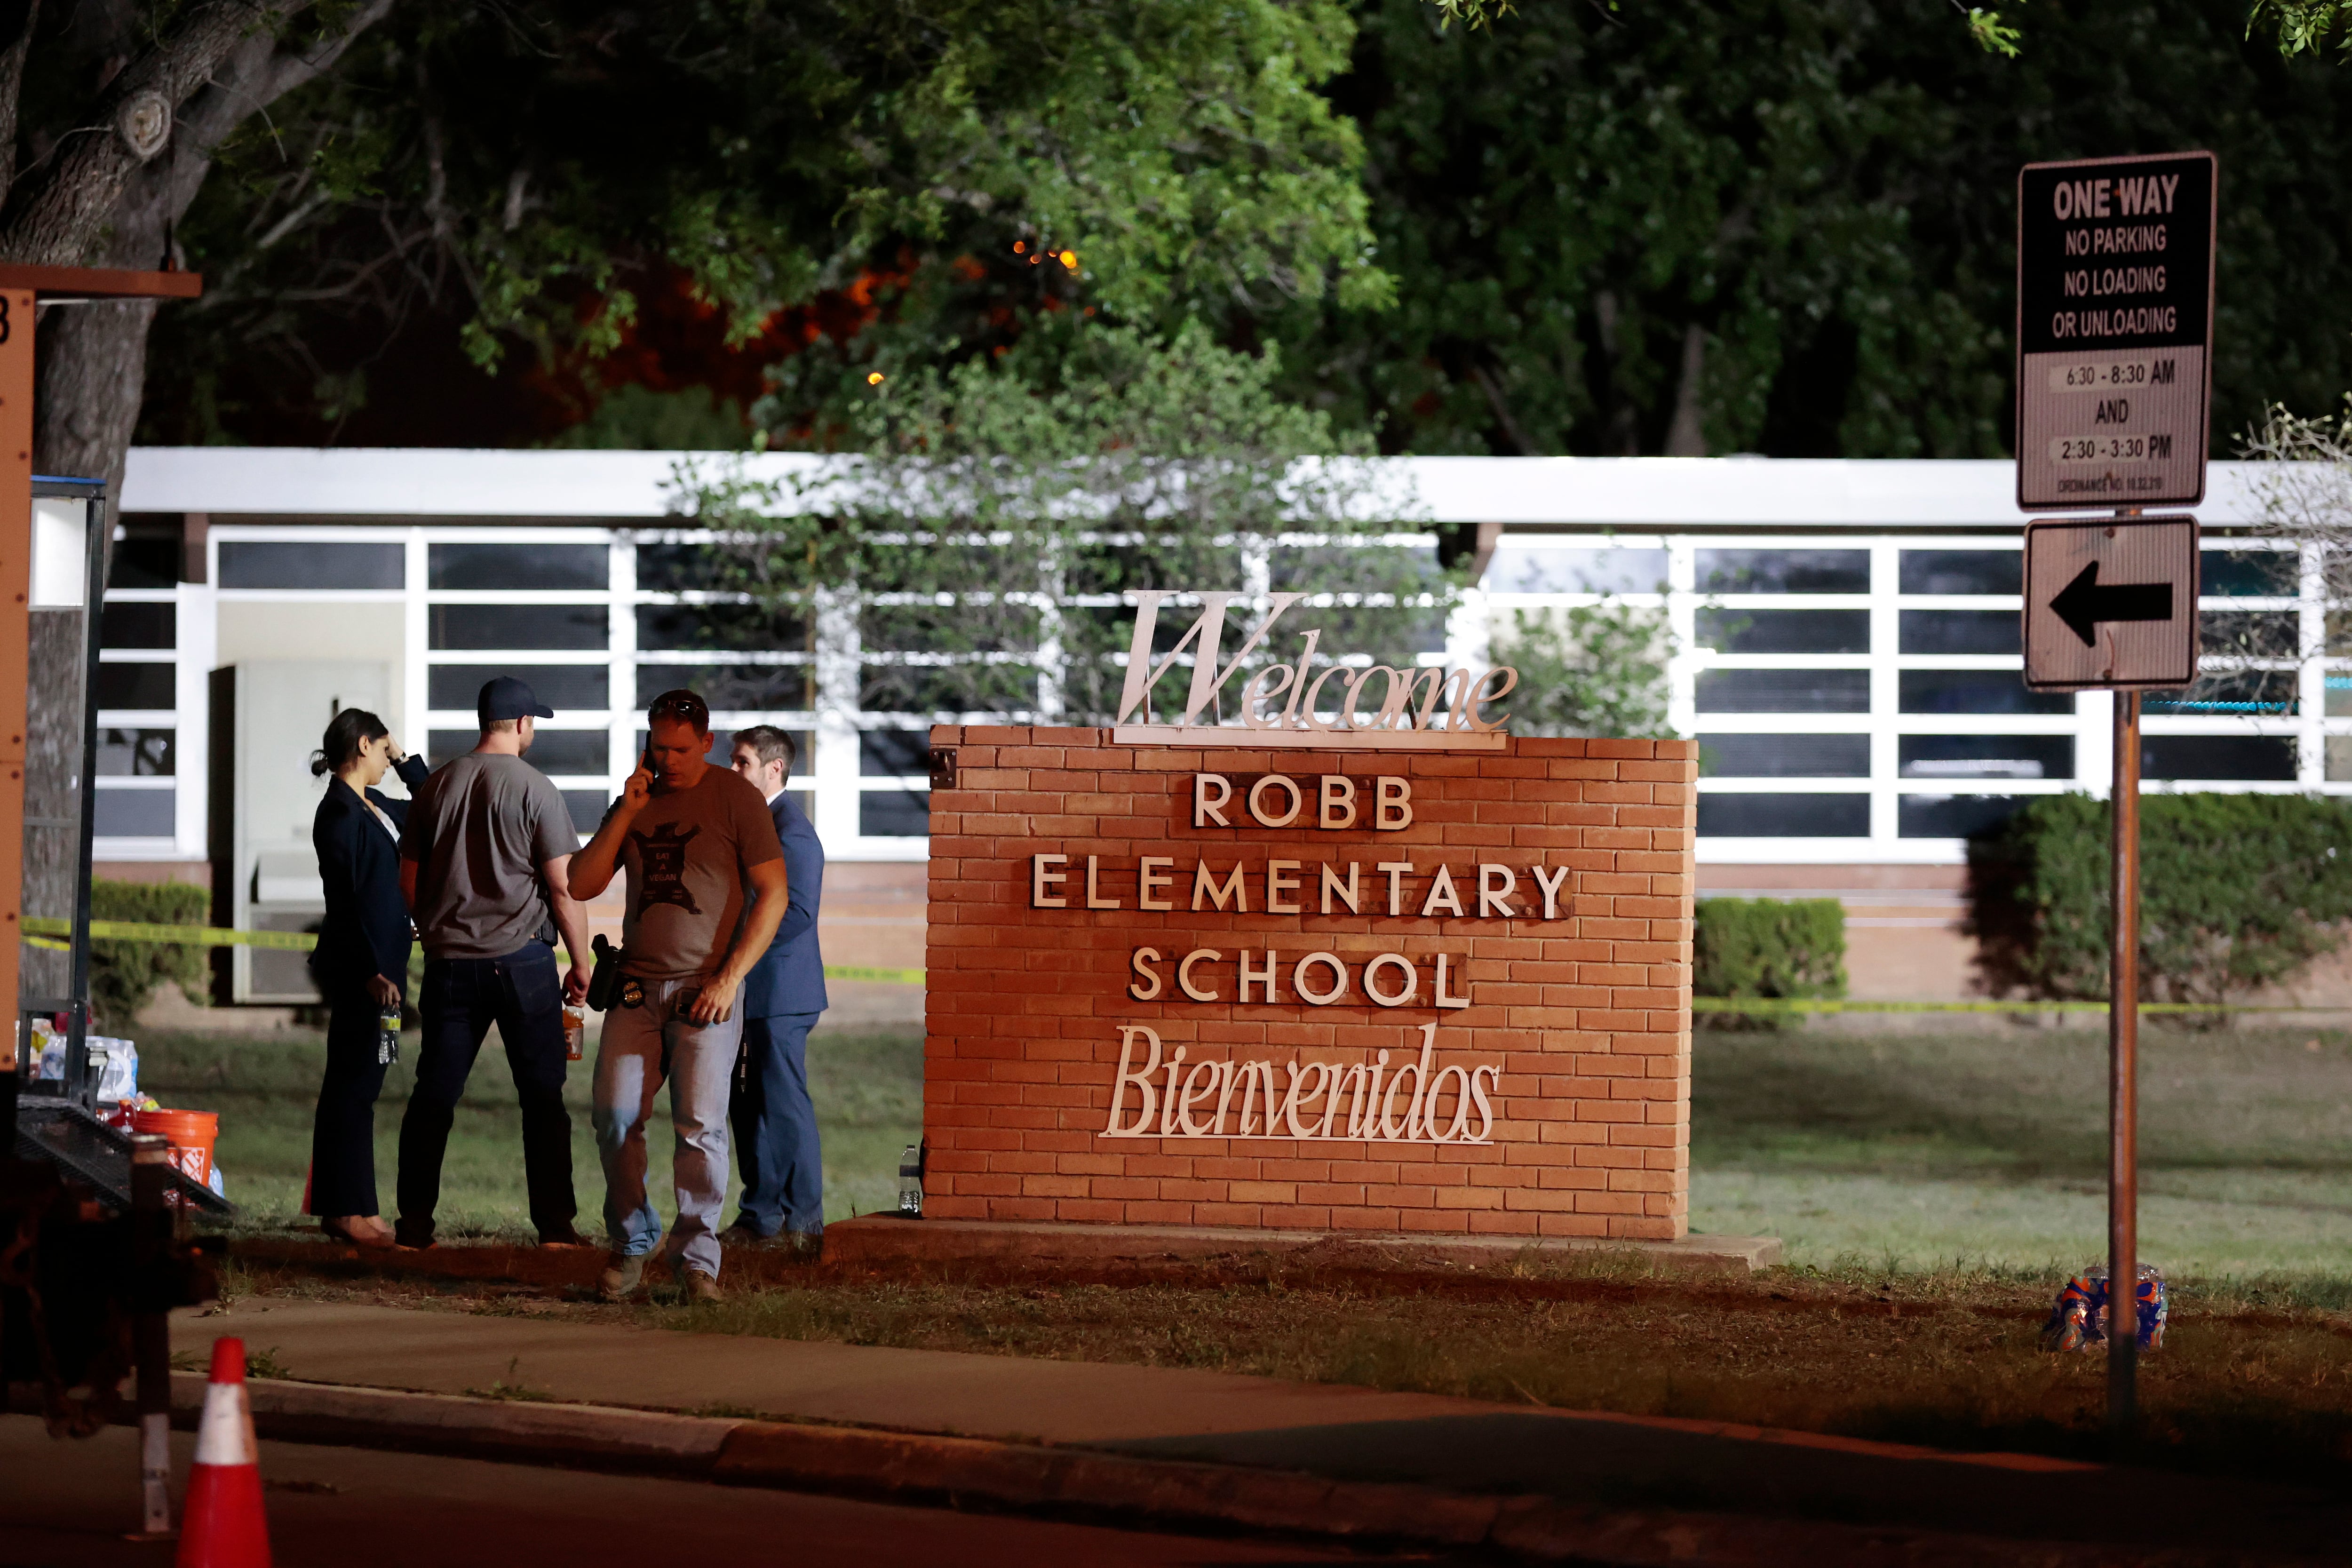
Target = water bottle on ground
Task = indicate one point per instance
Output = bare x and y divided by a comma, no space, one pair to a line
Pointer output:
910,1182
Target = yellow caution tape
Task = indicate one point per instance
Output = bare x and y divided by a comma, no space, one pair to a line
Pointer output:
1766,1005
192,936
303,942
888,976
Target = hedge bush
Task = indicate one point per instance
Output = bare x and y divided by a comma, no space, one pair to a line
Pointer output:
2237,891
1787,948
123,975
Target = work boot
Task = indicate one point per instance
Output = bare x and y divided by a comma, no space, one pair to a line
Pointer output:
699,1286
740,1234
808,1246
566,1238
621,1278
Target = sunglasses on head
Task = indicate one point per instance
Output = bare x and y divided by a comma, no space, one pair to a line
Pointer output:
683,705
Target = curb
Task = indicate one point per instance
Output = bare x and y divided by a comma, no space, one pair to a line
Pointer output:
883,1238
1115,1489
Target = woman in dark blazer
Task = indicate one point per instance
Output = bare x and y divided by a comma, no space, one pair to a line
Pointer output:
361,962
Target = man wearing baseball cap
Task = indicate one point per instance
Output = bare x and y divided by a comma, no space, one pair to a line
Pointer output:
485,861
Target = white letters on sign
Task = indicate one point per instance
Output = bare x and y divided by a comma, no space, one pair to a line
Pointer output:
1341,702
1170,1097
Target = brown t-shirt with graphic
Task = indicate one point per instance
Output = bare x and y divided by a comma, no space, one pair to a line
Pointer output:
687,857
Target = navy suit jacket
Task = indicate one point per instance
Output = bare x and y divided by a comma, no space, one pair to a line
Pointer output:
366,930
790,976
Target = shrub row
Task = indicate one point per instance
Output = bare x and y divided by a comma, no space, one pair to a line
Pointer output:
2237,891
1770,948
123,975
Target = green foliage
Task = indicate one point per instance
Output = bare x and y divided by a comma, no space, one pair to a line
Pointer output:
2237,891
2304,26
518,176
639,419
1592,669
124,975
1001,513
1789,226
1984,26
1991,34
1780,948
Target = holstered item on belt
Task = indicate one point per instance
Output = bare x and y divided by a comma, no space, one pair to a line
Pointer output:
605,979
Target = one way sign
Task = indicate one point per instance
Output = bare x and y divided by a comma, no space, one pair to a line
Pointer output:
2111,603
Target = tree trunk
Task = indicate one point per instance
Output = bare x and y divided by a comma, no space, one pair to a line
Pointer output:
103,205
1685,434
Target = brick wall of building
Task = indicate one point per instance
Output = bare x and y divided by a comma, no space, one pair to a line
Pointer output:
1584,1018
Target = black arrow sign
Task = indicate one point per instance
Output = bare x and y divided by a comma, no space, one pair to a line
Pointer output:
2083,603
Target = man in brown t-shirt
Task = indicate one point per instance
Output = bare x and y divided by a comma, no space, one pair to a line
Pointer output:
706,892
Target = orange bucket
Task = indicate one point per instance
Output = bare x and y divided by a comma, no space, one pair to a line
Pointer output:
191,1135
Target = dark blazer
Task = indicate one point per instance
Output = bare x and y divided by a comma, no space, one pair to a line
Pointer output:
790,976
366,930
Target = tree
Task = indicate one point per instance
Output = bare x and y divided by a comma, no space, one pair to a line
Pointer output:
1788,226
1591,670
110,117
977,556
849,185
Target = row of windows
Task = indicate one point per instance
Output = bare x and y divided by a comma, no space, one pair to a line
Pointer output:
1734,756
2183,758
1949,631
1527,567
1848,691
2266,759
748,628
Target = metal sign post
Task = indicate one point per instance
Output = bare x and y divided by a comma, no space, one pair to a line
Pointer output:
2123,1072
2112,604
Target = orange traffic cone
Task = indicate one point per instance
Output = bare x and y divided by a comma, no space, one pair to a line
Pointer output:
223,1527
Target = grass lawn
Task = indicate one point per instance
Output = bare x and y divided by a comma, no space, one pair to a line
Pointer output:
867,1085
1934,1190
1911,1151
1906,1151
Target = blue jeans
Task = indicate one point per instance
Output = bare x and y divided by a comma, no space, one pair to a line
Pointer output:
462,998
775,1129
643,1047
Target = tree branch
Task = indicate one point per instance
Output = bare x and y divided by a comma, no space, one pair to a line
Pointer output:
56,214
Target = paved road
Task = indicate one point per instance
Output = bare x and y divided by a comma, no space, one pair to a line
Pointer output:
1329,1430
66,1505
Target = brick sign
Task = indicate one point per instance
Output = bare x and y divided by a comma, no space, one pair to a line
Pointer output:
1381,991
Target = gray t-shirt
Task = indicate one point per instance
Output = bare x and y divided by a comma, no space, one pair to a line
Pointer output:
686,856
479,830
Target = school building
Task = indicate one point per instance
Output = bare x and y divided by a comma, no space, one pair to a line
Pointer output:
1848,637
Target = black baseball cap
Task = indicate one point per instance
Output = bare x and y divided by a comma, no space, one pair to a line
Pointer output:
507,698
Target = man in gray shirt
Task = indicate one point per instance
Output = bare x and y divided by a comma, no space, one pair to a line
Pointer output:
483,861
707,889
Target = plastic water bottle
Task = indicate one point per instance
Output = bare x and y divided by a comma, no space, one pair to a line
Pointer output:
575,1034
910,1182
387,1038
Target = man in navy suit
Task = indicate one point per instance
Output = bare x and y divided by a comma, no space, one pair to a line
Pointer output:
773,1119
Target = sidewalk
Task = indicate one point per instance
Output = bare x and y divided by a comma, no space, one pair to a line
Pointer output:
1338,1434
